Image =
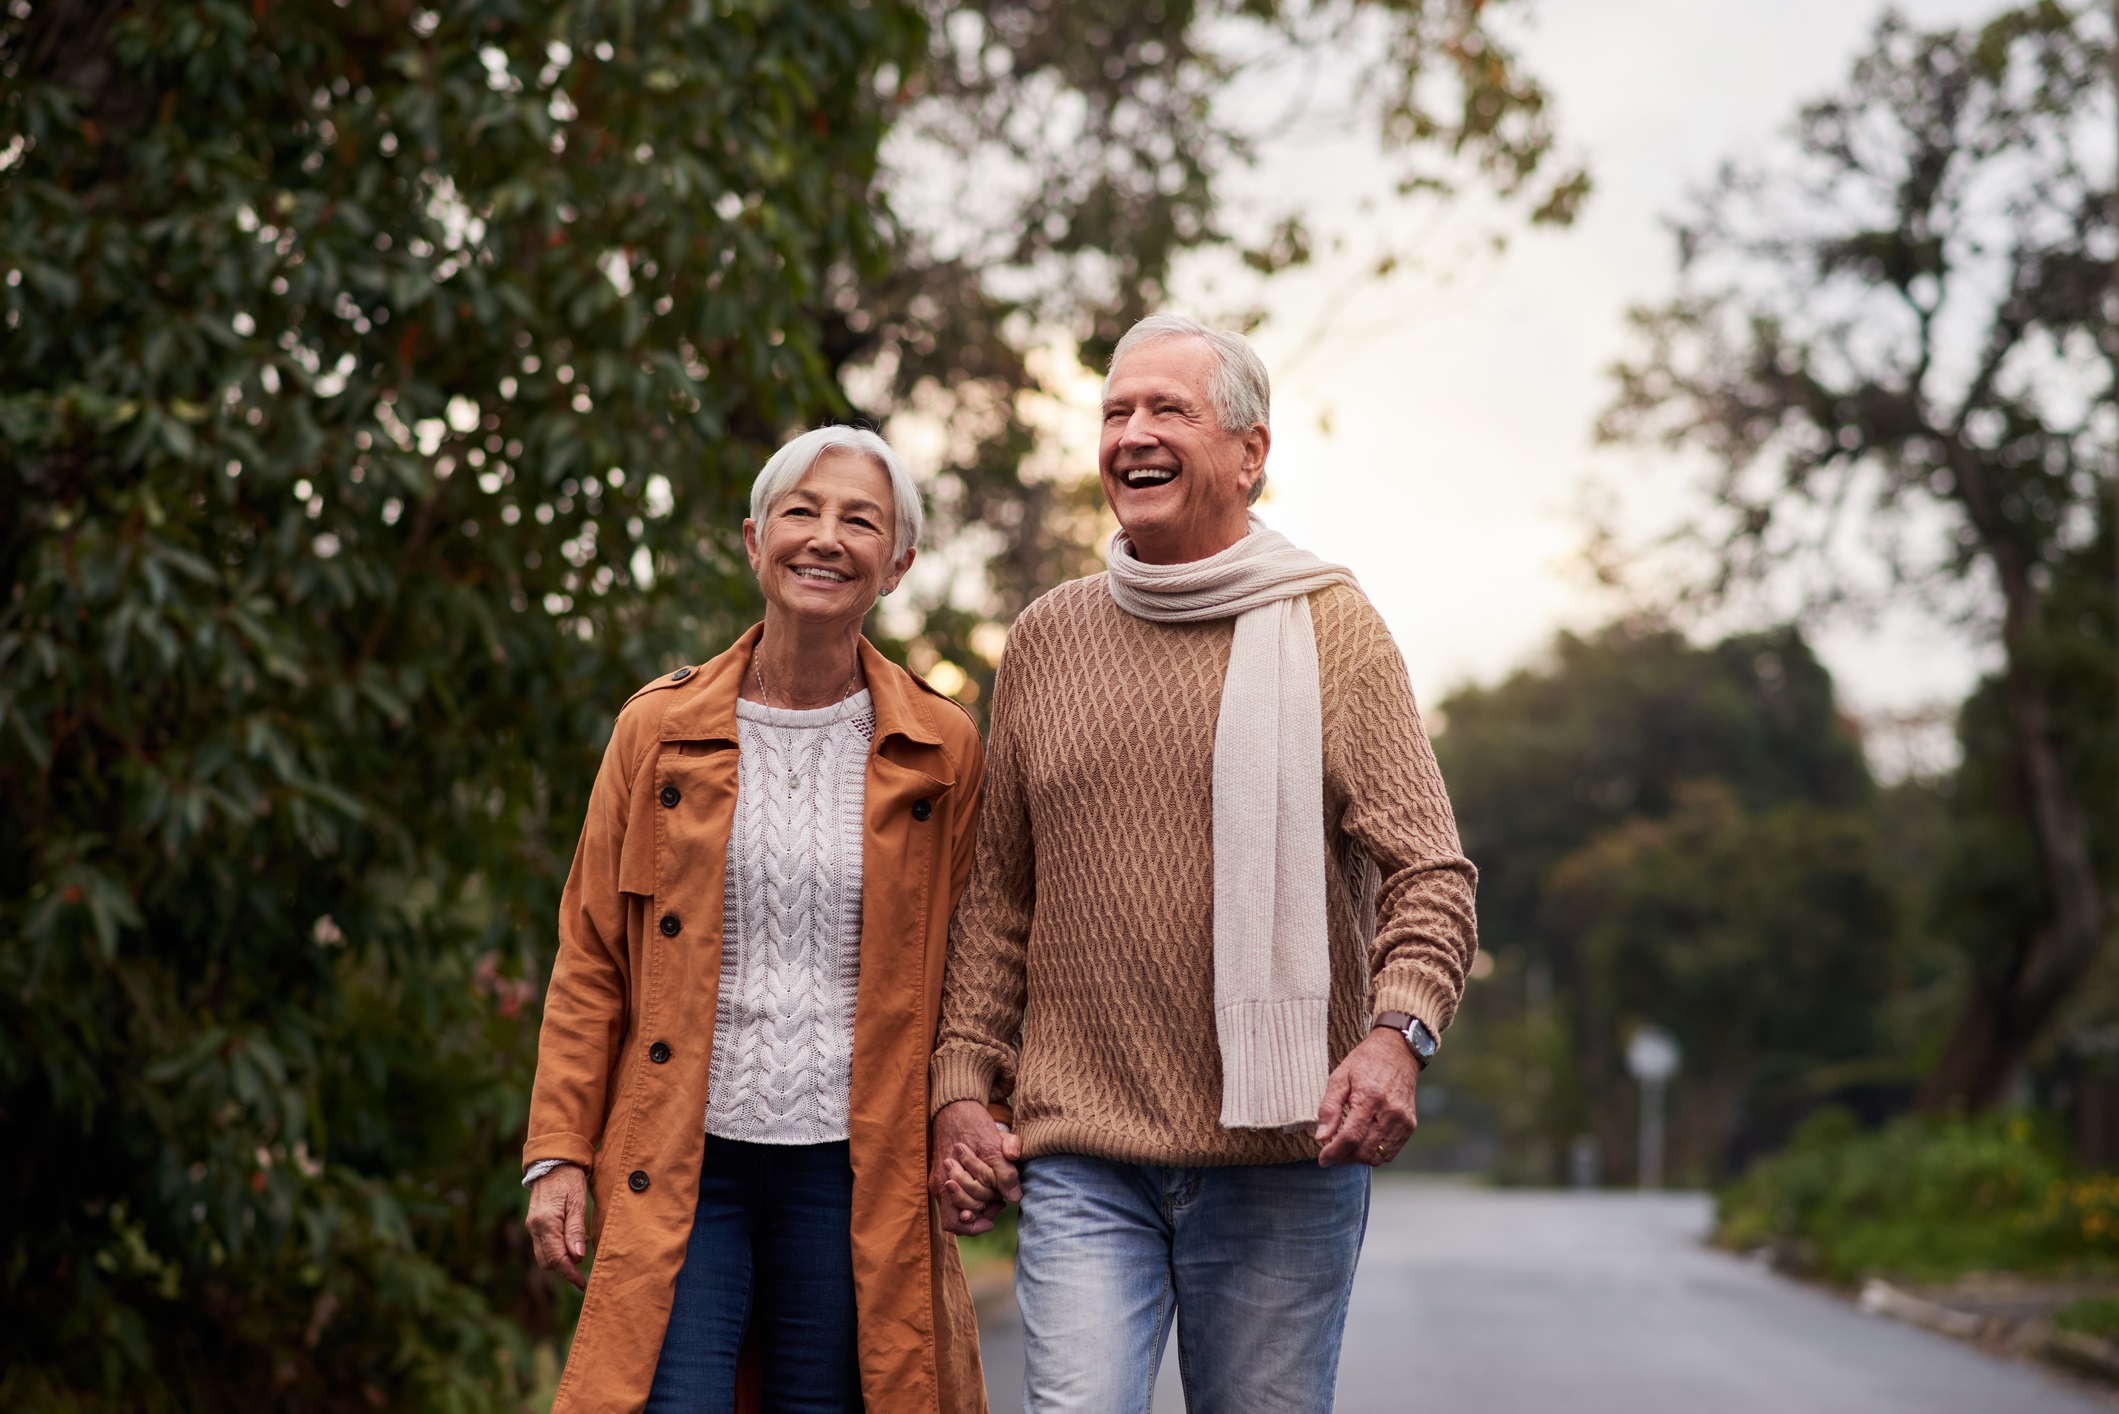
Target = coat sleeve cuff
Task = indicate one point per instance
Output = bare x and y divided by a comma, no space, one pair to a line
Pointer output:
568,1148
959,1076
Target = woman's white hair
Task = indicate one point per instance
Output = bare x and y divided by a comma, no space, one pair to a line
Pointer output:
784,472
1241,392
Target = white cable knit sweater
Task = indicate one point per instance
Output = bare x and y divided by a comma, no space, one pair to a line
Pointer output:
791,925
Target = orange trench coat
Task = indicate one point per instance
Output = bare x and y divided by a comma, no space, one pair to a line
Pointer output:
640,962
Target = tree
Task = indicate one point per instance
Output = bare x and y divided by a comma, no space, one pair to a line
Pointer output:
1764,942
1610,728
1989,890
1638,809
1906,328
378,389
1056,164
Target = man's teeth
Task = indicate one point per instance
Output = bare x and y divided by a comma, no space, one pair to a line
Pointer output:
1150,476
828,576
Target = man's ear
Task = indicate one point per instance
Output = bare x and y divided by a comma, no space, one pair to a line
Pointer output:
1257,444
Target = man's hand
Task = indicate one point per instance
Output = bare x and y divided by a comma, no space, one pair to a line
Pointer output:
974,1170
1367,1114
558,1222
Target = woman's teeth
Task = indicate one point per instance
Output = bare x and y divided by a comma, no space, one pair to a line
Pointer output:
828,576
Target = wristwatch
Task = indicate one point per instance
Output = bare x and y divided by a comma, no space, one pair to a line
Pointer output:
1422,1042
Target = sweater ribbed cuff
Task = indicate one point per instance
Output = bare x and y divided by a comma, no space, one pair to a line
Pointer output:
1275,1061
959,1075
1416,996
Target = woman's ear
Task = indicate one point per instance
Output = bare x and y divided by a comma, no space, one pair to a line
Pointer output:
750,542
897,571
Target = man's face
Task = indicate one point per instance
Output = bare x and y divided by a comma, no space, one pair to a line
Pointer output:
1177,482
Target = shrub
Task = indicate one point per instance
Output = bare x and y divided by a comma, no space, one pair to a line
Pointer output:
1926,1199
2092,1315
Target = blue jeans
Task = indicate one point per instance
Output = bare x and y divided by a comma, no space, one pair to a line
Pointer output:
1255,1261
772,1243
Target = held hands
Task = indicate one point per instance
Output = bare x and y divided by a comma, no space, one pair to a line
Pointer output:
1368,1110
974,1170
558,1222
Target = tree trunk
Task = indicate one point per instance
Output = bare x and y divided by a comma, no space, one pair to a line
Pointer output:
2005,1015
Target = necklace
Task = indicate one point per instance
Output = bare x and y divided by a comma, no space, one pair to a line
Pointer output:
795,776
757,667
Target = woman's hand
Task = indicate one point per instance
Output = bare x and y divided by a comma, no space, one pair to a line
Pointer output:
974,1168
558,1222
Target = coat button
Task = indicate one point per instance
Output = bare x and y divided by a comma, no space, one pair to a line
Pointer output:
638,1181
680,675
670,925
670,796
921,810
659,1052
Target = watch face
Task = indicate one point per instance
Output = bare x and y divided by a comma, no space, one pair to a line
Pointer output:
1421,1039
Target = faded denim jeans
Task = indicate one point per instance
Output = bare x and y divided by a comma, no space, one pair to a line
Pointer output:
1253,1262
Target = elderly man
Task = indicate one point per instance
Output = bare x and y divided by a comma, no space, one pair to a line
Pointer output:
1218,919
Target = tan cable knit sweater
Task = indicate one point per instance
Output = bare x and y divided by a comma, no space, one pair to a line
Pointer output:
1081,972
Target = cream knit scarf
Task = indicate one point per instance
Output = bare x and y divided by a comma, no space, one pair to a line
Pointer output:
1272,958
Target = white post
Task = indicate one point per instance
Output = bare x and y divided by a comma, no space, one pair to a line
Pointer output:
1651,1157
1652,1056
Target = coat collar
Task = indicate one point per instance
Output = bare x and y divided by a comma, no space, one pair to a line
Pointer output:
707,710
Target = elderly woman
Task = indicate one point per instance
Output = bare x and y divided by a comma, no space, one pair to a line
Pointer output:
734,1053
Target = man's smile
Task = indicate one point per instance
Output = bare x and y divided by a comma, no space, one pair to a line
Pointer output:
1139,477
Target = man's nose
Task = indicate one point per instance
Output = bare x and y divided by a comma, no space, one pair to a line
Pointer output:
1137,433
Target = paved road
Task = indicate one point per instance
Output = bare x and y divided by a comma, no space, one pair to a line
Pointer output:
1479,1302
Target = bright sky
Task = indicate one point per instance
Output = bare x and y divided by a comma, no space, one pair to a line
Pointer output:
1459,446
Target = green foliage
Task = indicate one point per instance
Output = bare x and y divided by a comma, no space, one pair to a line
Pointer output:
1763,942
2090,1315
378,392
1925,1199
1674,835
1610,728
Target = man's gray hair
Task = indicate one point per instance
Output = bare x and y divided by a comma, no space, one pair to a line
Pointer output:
1241,392
784,472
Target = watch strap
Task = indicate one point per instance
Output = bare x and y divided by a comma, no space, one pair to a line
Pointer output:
1414,1030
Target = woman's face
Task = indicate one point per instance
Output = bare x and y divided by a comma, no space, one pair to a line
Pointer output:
822,553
